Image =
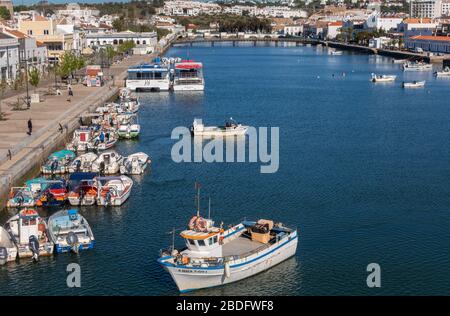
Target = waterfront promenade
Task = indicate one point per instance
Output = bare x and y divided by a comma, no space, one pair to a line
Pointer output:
54,120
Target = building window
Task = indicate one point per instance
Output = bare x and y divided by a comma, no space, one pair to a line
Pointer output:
46,32
30,32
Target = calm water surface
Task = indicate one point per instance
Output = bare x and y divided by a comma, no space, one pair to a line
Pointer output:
364,175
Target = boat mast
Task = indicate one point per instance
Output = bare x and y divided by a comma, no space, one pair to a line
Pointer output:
197,185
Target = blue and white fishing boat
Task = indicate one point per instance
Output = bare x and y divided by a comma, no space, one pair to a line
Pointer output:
58,162
148,77
215,256
70,231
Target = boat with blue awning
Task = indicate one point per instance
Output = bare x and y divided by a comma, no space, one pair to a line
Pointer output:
148,77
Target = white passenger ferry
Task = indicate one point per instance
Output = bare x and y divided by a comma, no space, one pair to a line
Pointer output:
188,76
215,256
148,77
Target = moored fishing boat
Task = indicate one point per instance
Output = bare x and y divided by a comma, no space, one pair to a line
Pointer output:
55,194
29,233
58,162
8,250
188,76
20,197
215,256
414,84
382,78
135,163
83,190
445,73
130,128
231,128
417,66
107,162
113,191
83,163
81,139
336,52
103,141
70,231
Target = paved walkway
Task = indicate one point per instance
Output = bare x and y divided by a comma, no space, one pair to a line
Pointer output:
47,115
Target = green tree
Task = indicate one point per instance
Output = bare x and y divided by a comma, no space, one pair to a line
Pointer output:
70,63
119,25
4,13
34,77
126,46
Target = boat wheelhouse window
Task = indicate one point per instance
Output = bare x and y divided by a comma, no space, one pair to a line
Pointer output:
201,243
215,239
191,241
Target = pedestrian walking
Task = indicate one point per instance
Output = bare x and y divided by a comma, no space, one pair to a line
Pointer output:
30,126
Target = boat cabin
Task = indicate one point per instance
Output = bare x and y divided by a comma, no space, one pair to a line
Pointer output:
202,238
188,71
152,77
28,225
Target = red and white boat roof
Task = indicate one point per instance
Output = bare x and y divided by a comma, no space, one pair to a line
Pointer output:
188,64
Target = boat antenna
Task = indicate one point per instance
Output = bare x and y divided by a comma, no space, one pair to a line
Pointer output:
173,239
197,186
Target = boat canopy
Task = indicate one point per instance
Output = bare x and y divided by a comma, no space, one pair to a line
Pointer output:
79,176
148,68
63,154
188,64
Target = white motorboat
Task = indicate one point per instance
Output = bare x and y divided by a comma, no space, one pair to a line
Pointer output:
336,52
445,73
113,191
8,250
216,256
130,128
417,66
107,162
130,106
29,233
70,231
382,78
231,128
414,84
83,163
399,61
135,163
81,139
20,197
104,141
83,190
188,76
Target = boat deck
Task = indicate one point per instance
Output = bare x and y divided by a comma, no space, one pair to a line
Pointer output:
240,246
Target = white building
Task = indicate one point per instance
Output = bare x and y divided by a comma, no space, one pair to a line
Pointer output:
293,30
74,10
103,39
429,8
9,57
386,23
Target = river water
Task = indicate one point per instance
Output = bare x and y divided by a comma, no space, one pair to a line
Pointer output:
364,175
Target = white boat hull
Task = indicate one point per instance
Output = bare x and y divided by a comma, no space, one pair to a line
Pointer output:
157,85
189,279
188,87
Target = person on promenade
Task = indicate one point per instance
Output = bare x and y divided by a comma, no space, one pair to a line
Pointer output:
30,126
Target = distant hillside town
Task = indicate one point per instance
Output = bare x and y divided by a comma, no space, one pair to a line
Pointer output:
38,36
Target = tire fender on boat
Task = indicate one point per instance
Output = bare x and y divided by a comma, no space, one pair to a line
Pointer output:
227,270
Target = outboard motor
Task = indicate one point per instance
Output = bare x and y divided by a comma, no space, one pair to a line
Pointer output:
33,243
20,199
54,166
72,241
101,168
3,255
108,198
78,165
